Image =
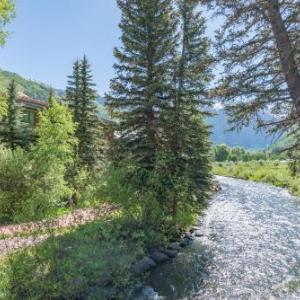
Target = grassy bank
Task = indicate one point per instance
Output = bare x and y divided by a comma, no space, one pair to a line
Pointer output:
273,172
91,260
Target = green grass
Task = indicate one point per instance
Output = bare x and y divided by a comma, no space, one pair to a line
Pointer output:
75,264
274,172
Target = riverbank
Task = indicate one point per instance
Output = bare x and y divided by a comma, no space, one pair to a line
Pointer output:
248,248
93,252
273,172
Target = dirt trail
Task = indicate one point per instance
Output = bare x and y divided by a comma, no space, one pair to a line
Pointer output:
13,241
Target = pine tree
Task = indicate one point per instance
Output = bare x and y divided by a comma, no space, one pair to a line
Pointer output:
73,91
187,134
141,89
258,46
82,99
88,125
15,131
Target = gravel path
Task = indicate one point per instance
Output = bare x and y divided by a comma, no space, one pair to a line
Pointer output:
78,217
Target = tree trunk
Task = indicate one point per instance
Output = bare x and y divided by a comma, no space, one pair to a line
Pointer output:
286,52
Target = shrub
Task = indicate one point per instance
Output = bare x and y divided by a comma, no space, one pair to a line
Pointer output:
33,183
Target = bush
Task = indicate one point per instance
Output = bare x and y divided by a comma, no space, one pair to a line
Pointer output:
33,183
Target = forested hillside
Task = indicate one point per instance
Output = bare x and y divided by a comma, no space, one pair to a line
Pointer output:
29,87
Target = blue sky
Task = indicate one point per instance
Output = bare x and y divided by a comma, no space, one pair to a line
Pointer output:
48,35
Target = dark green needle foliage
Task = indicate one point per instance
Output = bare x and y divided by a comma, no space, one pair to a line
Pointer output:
73,92
82,99
14,130
186,133
141,89
158,99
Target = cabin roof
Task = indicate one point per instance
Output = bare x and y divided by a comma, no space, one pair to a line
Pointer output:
29,102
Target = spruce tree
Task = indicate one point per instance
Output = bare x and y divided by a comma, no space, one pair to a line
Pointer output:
15,131
88,124
141,89
82,99
73,92
186,133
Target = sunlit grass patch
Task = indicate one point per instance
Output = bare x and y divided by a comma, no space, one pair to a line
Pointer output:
76,264
274,172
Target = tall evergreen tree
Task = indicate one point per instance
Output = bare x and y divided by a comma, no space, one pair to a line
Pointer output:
187,134
15,131
73,91
141,89
258,45
82,99
88,116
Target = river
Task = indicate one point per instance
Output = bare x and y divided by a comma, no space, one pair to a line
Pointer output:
250,248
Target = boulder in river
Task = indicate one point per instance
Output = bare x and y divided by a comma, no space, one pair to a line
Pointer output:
144,265
150,294
198,233
188,236
169,252
174,246
159,257
185,242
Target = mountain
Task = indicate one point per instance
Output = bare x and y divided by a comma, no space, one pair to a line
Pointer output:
37,90
28,87
246,138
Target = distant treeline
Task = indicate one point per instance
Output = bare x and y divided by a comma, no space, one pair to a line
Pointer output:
225,153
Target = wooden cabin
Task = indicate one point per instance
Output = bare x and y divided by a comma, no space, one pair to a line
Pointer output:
31,108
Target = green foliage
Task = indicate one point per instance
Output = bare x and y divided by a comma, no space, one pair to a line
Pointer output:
56,138
14,131
3,105
28,87
187,135
82,99
273,172
224,153
142,86
158,98
73,266
33,183
7,11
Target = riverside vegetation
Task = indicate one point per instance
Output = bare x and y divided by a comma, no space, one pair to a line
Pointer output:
268,166
151,163
273,172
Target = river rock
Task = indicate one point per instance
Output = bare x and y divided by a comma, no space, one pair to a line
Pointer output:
198,233
150,294
169,252
159,257
185,242
174,246
144,265
188,236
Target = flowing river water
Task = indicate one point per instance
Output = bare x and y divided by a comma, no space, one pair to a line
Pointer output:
250,248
